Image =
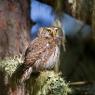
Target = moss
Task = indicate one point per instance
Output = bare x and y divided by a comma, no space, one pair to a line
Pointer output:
48,83
9,65
44,83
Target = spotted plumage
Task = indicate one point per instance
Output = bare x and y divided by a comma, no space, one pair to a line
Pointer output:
44,51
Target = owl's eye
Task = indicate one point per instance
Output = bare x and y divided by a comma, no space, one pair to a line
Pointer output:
50,32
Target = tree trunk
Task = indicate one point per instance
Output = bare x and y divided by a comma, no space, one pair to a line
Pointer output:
14,34
14,27
81,9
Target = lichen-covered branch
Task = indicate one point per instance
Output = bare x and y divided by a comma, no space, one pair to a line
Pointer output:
45,83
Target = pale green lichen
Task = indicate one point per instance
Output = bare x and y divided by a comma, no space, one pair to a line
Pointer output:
49,83
9,64
46,83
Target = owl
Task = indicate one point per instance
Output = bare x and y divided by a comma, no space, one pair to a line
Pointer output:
43,52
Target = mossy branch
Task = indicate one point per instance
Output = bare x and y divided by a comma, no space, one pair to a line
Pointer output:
48,83
45,83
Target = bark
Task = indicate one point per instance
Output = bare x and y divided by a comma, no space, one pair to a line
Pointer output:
14,35
82,9
14,27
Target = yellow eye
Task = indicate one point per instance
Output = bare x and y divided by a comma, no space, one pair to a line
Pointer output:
52,31
49,31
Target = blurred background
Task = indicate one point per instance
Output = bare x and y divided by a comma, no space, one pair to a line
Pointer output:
20,21
77,20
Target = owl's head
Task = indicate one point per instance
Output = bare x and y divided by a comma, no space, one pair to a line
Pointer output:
49,32
52,32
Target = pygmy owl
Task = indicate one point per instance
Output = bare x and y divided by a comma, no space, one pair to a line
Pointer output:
44,51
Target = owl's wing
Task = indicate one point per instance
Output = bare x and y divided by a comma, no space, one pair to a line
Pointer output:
37,55
36,48
47,55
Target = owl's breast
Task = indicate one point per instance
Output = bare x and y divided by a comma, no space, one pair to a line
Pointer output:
47,55
48,59
53,59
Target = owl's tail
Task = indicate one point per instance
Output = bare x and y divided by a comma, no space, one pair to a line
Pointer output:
26,74
22,73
